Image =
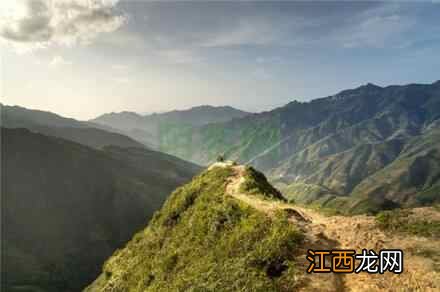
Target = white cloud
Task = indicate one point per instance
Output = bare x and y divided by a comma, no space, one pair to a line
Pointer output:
268,60
58,61
123,40
247,32
261,74
179,56
120,67
378,28
121,80
31,24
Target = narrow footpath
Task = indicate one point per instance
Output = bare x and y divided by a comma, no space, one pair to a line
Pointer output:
421,273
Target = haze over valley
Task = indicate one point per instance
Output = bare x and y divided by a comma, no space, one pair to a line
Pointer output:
219,146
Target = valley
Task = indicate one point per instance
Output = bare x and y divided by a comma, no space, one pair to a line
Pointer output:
219,146
67,207
248,189
361,150
359,169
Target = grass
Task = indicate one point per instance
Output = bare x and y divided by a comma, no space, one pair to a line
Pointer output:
203,240
400,220
328,212
256,184
305,193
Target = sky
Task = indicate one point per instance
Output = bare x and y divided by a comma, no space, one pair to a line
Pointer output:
83,58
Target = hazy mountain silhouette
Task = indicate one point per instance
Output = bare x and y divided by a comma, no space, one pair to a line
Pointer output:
67,207
149,128
330,148
90,134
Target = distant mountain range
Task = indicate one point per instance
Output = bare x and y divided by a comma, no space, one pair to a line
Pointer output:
67,207
360,150
230,230
75,191
150,128
90,134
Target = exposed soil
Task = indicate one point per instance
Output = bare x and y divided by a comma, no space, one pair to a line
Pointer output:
421,267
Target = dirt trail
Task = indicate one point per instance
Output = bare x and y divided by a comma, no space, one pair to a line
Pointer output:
356,232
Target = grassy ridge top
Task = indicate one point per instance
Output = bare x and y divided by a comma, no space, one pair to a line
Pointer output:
203,239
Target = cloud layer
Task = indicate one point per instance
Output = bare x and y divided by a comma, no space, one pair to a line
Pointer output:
59,61
29,24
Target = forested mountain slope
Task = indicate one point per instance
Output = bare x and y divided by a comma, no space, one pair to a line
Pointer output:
329,147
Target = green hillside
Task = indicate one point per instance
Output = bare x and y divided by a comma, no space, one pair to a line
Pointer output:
67,207
328,148
205,240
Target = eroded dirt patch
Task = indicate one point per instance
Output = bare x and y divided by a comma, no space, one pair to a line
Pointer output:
421,255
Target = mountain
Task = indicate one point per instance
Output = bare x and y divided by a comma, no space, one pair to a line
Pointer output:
67,207
47,123
205,239
329,149
149,128
230,230
370,177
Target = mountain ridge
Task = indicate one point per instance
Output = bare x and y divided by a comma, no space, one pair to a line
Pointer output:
314,130
149,128
70,206
52,124
203,238
195,242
